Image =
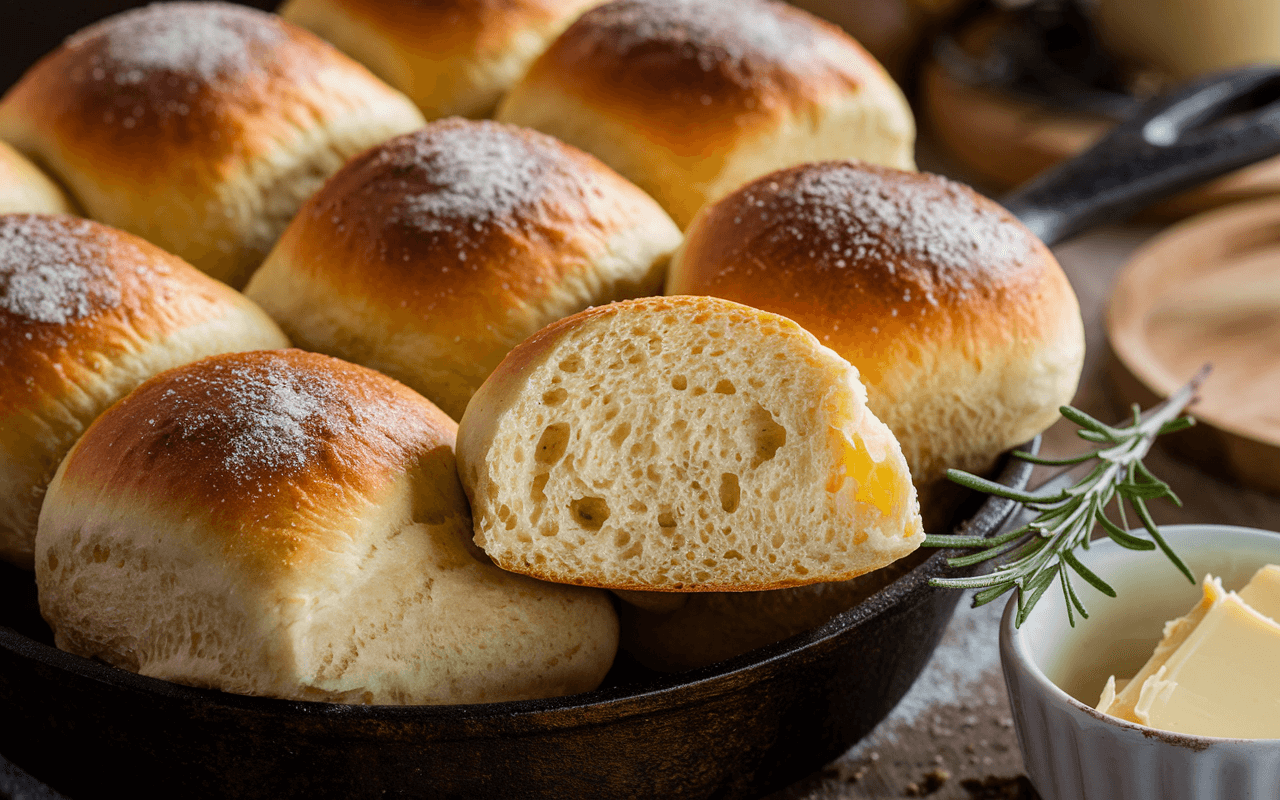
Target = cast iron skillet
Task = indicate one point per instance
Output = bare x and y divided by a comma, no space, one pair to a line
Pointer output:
735,729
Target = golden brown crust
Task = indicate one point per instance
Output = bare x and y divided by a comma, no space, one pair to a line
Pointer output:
449,26
961,324
74,293
876,262
469,216
87,313
140,95
690,74
451,57
194,124
247,437
431,256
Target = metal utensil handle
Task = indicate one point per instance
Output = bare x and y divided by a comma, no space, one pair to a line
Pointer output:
1176,141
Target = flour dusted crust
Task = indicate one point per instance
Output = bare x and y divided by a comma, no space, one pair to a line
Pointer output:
690,99
961,324
287,524
431,256
450,56
87,313
682,444
199,126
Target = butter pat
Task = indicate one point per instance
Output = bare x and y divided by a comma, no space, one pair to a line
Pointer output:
1214,672
1263,592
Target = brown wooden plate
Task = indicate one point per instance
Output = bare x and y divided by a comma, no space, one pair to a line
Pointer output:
1208,291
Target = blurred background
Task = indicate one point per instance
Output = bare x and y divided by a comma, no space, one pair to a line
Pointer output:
1003,90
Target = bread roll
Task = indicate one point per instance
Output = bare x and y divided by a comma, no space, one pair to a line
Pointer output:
430,257
87,313
199,126
24,188
456,57
691,99
682,444
287,524
961,323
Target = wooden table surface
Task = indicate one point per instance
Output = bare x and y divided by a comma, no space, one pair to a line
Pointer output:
954,732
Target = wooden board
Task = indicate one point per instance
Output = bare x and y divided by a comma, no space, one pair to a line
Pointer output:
1208,290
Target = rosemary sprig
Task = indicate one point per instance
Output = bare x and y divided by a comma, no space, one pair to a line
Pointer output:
1045,547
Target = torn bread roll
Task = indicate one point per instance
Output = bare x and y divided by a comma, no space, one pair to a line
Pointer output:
25,189
456,57
682,444
431,256
961,324
291,525
199,126
87,313
691,99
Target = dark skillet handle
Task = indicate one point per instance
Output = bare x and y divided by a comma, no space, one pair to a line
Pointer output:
1178,140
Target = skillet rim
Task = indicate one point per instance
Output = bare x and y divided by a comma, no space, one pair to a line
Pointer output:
599,706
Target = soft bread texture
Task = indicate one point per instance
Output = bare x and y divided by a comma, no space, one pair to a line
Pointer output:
24,188
87,313
456,57
287,524
431,256
682,444
960,322
715,626
199,126
693,98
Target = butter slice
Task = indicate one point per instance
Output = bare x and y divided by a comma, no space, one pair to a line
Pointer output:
1176,632
1222,680
1263,592
1214,672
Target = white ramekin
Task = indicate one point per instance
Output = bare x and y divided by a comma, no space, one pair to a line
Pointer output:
1071,751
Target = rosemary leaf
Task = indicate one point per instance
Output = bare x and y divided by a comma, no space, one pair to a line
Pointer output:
1051,462
1030,557
1122,537
1086,573
1140,508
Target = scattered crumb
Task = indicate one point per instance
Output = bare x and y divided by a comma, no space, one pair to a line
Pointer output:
931,783
996,788
844,772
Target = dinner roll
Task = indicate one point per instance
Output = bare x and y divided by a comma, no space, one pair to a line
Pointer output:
430,257
961,323
23,187
87,313
199,126
690,98
451,57
287,524
682,444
